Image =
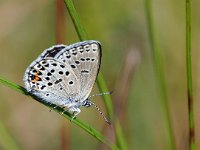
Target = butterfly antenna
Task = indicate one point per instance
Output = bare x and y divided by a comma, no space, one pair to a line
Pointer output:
103,116
100,94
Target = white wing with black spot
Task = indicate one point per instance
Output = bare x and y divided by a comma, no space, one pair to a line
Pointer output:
84,58
53,81
65,75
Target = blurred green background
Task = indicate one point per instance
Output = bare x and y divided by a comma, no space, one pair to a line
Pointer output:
28,27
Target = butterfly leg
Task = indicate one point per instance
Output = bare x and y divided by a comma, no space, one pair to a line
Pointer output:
87,103
74,111
53,107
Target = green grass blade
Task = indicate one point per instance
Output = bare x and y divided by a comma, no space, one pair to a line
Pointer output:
59,110
160,76
83,36
6,139
76,20
12,85
107,99
100,81
120,136
189,77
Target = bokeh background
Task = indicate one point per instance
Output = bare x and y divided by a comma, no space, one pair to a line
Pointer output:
28,27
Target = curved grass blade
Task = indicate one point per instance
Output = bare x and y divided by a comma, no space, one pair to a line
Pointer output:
76,20
83,36
59,110
100,80
158,67
189,77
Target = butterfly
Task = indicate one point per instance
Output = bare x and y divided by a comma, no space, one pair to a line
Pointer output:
65,75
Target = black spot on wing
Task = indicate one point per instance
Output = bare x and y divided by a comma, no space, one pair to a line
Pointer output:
71,82
84,71
52,52
58,81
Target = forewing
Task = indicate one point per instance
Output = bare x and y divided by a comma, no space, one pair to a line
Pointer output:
52,51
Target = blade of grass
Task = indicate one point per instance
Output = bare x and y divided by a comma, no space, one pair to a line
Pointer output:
76,20
100,81
83,36
6,139
13,86
59,110
120,139
189,77
107,99
160,76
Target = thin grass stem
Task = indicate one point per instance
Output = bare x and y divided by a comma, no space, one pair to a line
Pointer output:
83,36
157,62
189,77
76,20
59,110
100,81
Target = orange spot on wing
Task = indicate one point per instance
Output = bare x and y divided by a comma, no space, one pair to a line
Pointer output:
36,78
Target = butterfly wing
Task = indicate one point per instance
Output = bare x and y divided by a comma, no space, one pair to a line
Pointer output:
52,81
52,51
84,59
64,73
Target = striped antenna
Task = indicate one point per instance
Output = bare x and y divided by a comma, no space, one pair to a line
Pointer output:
103,116
100,94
